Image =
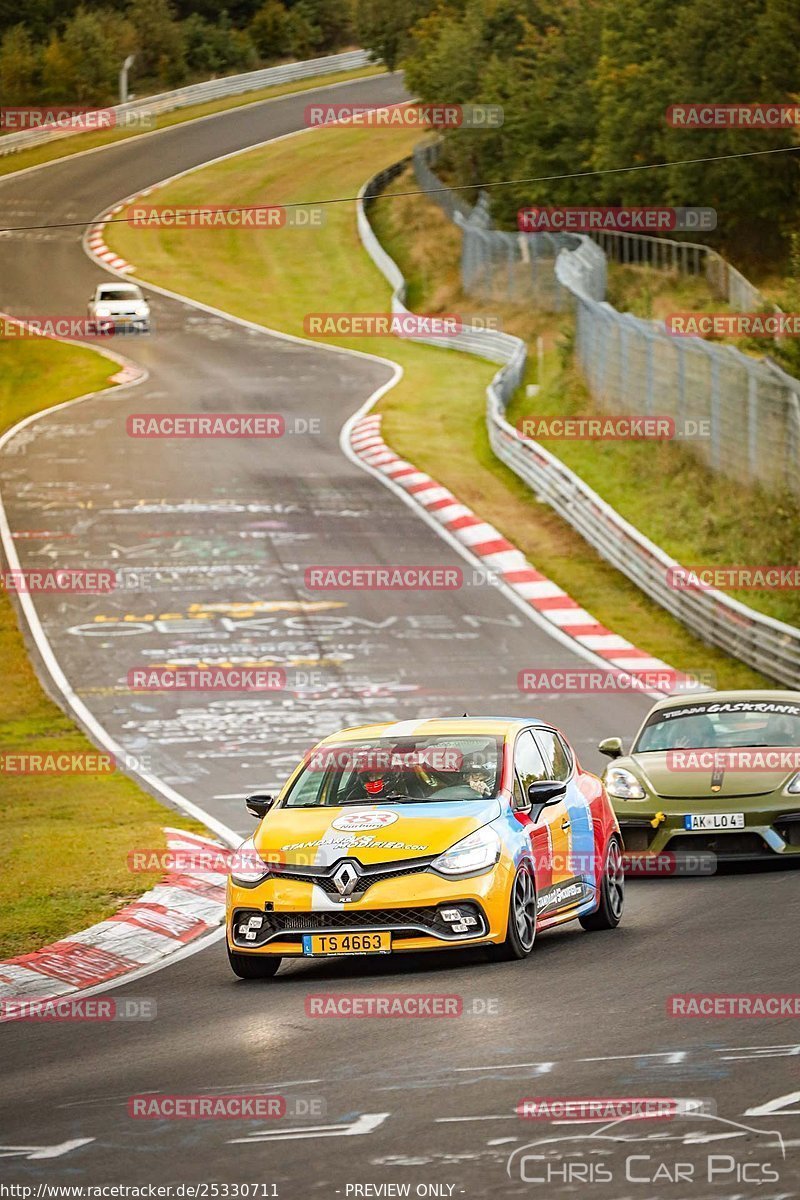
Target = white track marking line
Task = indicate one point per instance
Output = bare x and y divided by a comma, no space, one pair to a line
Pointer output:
366,1123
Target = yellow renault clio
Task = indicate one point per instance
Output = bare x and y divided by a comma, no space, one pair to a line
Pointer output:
424,835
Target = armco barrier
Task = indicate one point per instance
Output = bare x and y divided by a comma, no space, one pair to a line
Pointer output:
201,93
765,644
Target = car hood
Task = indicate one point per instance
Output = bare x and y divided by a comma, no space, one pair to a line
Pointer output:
664,780
371,832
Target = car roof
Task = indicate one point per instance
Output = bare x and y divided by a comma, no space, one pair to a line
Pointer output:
433,726
118,287
782,695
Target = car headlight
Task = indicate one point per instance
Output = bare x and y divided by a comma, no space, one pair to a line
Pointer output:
248,866
623,785
102,310
793,786
477,852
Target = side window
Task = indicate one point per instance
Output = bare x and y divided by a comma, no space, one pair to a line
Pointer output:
528,765
557,758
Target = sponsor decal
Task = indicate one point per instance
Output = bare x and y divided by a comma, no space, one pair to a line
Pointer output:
350,843
779,707
568,892
358,821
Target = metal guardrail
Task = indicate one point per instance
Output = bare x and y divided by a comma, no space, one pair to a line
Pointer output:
687,258
198,93
768,645
743,412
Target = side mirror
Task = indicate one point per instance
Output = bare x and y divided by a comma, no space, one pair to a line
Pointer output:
546,791
611,747
259,804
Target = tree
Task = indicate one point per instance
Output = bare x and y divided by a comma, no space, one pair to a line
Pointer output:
20,66
216,49
303,37
81,65
333,18
269,30
384,30
160,51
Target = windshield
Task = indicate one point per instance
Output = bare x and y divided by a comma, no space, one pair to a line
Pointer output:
120,294
399,771
722,725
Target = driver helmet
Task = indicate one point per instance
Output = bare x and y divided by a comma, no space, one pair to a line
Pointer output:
378,778
476,774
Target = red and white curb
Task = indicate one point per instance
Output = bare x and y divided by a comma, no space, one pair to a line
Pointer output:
178,910
96,242
501,558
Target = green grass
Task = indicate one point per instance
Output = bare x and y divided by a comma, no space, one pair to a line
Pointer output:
63,148
65,837
435,416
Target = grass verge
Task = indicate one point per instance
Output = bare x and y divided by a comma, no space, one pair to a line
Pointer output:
63,148
435,416
65,837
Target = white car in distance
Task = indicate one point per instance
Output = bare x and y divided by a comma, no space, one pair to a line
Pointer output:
122,303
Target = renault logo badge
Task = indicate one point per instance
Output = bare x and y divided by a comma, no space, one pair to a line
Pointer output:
345,879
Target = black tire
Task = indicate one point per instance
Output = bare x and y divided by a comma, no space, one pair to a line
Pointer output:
608,913
521,933
253,966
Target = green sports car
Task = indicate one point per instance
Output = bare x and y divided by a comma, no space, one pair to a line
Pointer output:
715,776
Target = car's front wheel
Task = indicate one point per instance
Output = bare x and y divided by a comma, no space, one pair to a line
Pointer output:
521,933
253,966
608,913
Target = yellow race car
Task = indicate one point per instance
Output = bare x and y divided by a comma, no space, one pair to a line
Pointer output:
425,835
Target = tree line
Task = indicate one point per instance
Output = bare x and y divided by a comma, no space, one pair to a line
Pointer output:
585,85
72,53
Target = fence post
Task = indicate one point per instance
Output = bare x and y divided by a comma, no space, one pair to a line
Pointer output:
752,424
716,432
648,394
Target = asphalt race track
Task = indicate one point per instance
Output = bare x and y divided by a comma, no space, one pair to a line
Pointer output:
213,548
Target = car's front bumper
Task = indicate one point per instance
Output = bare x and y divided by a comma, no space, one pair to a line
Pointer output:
656,827
411,910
